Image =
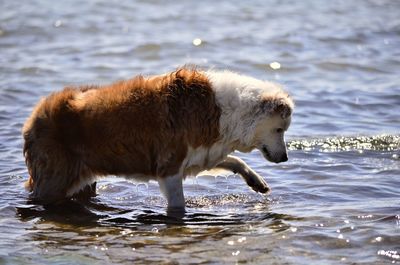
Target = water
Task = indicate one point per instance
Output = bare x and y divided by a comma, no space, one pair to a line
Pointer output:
337,199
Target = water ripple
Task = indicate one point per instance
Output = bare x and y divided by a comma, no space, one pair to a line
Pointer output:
335,200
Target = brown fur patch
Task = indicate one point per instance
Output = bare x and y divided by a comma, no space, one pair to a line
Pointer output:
139,126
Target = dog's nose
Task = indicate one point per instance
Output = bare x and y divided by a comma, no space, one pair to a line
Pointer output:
284,158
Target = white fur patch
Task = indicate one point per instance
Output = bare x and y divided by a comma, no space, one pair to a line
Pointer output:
237,96
202,158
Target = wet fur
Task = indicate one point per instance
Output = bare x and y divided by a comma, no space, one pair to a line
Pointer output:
146,128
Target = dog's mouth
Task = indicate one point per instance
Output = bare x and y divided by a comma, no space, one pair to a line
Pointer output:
266,153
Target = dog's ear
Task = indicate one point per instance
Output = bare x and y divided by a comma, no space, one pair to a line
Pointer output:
283,108
273,106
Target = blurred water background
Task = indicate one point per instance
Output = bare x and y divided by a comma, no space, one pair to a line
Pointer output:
337,199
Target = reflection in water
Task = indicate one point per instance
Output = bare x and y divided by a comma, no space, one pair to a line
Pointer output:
93,212
66,212
134,234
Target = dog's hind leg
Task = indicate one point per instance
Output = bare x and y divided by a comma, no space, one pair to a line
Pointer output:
172,189
86,193
52,173
49,187
237,165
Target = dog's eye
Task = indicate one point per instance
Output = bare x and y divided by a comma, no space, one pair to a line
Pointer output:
279,130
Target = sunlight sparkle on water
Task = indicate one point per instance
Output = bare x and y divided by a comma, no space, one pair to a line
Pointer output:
58,23
275,65
389,253
236,253
197,42
241,240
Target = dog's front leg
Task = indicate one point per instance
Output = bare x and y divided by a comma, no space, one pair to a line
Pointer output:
237,165
171,188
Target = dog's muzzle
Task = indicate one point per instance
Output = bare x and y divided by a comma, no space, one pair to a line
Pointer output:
269,157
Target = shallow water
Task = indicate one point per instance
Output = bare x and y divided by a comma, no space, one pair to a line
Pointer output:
336,201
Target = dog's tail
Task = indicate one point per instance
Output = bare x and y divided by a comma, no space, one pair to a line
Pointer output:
52,167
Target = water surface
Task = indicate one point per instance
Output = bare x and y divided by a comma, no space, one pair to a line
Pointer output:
336,201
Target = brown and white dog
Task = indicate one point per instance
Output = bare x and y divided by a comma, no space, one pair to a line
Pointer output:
161,128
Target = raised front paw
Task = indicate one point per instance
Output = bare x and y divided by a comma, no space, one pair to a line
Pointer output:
259,185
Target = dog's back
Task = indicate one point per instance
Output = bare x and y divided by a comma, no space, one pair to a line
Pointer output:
140,126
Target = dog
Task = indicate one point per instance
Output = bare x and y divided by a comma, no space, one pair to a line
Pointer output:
161,128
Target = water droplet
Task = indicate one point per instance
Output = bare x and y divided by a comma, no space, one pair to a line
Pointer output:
242,239
197,42
340,236
346,221
364,216
293,229
236,253
231,242
58,23
258,207
275,65
378,239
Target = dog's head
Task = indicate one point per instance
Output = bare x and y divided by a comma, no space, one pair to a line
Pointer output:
275,117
